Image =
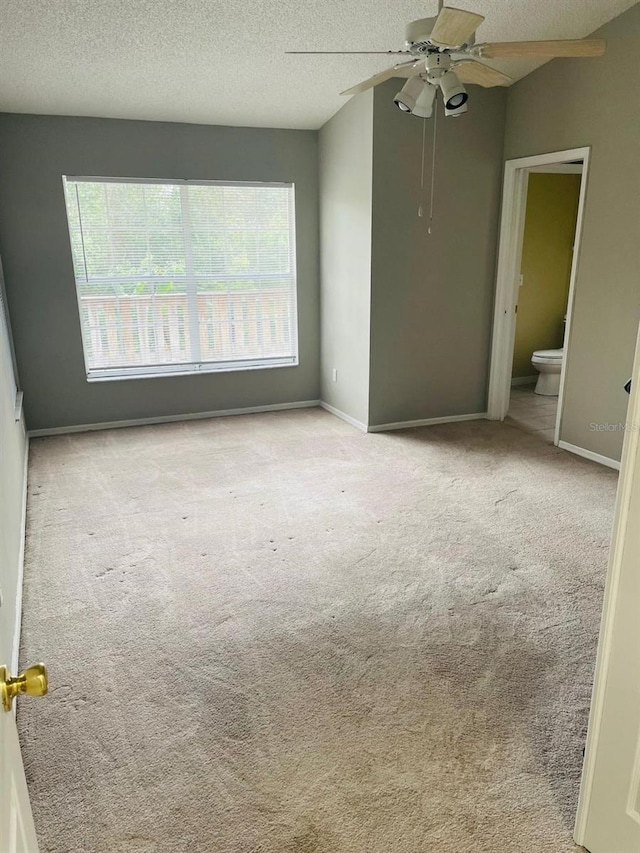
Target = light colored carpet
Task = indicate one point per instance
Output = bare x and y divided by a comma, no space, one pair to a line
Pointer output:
275,634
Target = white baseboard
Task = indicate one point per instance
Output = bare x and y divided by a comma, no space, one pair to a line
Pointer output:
451,419
344,416
589,454
524,380
169,419
15,650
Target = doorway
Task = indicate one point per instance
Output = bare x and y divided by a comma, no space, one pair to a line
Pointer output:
540,286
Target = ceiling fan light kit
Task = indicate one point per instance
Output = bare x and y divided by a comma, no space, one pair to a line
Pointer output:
444,54
416,97
407,97
454,94
424,102
418,93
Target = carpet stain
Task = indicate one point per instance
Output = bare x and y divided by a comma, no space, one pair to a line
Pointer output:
310,841
104,572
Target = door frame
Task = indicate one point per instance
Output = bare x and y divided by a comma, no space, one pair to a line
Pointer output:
512,222
629,476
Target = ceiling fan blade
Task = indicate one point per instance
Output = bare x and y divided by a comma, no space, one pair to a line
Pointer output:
453,27
348,52
524,49
484,75
405,69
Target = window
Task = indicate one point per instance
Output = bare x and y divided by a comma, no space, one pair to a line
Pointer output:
183,276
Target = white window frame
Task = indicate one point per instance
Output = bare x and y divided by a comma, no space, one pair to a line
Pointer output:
151,371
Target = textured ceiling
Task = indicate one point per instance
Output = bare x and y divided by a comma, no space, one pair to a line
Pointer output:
224,63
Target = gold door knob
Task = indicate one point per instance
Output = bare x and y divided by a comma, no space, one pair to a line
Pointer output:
33,681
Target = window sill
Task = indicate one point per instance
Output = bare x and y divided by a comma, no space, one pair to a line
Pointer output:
186,370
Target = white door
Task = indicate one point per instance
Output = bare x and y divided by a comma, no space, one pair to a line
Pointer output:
608,818
17,834
16,823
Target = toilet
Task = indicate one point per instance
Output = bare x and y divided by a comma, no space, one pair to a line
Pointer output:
548,363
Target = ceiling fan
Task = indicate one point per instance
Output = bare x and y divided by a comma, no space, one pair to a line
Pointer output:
443,53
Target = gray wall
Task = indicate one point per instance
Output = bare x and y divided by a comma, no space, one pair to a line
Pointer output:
573,103
13,449
35,151
432,295
345,244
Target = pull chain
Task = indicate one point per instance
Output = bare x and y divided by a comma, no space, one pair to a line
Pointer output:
424,127
433,165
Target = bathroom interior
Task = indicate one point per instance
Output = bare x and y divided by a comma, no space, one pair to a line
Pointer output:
547,255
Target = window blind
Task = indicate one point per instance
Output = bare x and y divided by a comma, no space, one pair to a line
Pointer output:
182,276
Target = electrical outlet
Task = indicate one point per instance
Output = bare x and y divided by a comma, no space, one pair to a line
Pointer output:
334,374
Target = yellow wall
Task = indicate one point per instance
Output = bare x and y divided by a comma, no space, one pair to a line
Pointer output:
552,207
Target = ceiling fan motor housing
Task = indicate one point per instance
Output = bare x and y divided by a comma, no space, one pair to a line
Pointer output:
418,35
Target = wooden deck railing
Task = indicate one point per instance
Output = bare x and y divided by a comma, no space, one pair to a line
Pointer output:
155,329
